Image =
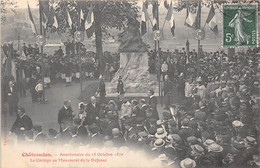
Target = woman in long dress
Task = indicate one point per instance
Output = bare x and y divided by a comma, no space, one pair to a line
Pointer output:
236,22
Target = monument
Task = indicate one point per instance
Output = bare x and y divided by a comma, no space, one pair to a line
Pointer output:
133,63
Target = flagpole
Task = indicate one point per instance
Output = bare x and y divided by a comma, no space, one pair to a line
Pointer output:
79,58
41,32
199,22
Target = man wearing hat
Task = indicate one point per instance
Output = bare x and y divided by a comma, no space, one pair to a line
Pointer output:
153,104
22,123
245,156
188,163
158,147
215,155
197,153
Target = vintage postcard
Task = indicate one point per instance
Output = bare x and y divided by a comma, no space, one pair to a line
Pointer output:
140,83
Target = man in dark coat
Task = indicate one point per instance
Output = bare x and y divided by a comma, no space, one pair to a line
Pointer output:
66,114
153,104
143,108
120,86
181,87
167,91
12,97
102,89
32,84
22,123
92,110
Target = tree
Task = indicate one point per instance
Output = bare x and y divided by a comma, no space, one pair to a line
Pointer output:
107,14
6,7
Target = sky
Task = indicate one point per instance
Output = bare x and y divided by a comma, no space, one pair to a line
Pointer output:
23,3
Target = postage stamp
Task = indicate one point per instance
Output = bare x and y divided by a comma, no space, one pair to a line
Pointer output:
240,25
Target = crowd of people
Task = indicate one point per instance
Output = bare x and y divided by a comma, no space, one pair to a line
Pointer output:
59,67
214,123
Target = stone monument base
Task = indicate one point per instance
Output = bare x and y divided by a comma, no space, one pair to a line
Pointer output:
134,71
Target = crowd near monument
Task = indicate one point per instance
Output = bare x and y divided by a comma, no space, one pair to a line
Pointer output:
142,83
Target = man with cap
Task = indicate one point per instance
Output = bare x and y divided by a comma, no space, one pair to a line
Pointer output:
39,137
92,110
22,124
153,104
66,113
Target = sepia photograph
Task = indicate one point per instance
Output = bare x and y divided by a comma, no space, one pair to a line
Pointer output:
130,83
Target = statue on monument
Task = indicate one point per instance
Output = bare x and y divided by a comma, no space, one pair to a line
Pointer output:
130,39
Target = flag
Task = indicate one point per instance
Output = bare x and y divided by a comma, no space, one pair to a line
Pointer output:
44,20
69,19
193,17
31,21
22,56
172,22
169,13
166,5
45,10
89,27
169,17
90,19
155,16
211,20
145,17
55,23
81,15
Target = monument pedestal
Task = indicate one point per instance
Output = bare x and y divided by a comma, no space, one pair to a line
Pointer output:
134,71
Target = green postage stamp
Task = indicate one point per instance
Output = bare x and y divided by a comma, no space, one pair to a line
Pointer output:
240,25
